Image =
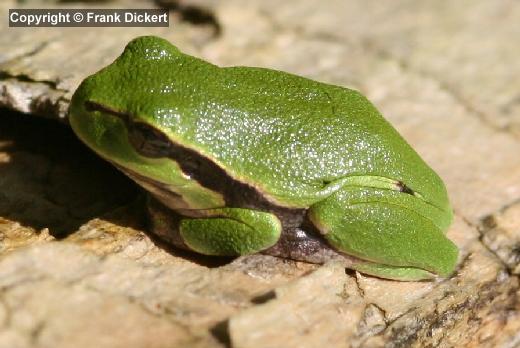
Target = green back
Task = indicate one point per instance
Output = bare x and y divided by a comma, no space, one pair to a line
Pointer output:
286,135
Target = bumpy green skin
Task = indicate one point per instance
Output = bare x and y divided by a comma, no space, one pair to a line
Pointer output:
230,232
301,143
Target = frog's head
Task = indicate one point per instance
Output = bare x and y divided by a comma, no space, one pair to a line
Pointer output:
137,91
129,113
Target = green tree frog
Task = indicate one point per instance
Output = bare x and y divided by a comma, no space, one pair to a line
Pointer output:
240,160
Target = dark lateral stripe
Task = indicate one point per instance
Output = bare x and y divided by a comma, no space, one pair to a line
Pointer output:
207,173
150,142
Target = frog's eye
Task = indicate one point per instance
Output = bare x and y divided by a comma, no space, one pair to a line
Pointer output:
147,140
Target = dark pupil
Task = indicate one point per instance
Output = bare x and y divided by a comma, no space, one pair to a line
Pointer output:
148,141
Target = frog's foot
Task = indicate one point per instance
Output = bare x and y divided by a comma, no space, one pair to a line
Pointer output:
307,245
219,232
390,235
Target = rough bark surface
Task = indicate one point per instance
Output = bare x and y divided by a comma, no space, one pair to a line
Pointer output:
78,270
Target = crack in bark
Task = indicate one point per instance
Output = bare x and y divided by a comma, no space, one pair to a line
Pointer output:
361,291
486,224
5,75
442,321
481,229
37,49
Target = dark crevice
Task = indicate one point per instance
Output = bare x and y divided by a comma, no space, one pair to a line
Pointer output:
51,180
264,298
193,14
221,332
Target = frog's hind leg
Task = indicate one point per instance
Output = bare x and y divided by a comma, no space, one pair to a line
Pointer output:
390,233
219,232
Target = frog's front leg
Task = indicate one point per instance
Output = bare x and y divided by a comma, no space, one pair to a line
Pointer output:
219,232
393,234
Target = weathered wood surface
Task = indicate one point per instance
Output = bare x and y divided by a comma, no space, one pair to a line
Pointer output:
445,73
